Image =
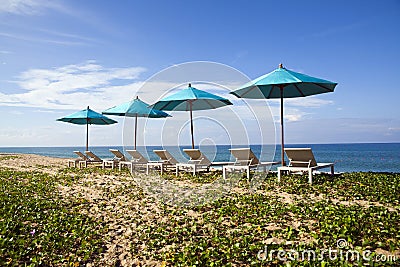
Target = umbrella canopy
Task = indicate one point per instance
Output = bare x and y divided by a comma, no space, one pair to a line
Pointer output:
190,99
283,83
135,108
87,116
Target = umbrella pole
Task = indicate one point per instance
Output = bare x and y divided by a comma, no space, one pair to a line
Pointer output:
191,123
135,128
87,136
282,134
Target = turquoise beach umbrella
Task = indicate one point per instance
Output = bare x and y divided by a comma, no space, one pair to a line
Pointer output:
190,99
135,108
87,116
283,83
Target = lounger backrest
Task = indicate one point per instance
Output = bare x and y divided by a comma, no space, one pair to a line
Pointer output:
137,156
165,156
197,157
244,156
118,155
81,155
300,157
92,156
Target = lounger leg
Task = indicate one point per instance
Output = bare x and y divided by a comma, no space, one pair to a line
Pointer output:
147,169
162,168
224,173
194,170
332,170
176,170
310,176
279,175
248,173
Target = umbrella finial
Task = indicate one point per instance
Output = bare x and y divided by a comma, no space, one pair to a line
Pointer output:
137,97
281,66
87,107
190,85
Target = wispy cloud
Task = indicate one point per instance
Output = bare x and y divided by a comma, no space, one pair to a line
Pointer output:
345,130
340,29
308,102
69,36
295,109
73,86
239,55
27,7
40,39
305,102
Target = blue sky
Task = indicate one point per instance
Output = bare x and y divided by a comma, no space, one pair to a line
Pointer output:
57,57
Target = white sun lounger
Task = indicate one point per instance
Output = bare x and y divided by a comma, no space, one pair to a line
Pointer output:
167,161
118,157
197,162
302,160
81,157
92,159
137,160
246,161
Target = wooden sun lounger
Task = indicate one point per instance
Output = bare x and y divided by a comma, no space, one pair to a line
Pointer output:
118,158
246,161
93,159
167,161
75,162
302,160
137,160
197,162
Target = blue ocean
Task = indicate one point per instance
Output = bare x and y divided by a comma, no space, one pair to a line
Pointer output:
374,157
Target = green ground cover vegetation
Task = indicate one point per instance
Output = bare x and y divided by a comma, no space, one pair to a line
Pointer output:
38,226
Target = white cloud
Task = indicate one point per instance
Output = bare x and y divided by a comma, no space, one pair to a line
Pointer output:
306,102
74,87
291,114
309,102
293,107
293,117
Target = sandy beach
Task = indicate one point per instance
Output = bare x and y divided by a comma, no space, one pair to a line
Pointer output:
131,217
